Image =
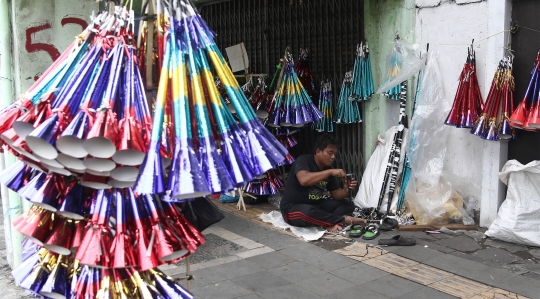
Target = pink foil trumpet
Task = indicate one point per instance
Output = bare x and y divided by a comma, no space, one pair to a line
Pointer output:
144,253
60,237
94,249
35,224
121,248
167,246
178,225
103,134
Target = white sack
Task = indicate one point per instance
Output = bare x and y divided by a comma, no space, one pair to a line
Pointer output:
518,220
372,179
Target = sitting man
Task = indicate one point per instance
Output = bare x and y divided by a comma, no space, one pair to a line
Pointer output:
305,203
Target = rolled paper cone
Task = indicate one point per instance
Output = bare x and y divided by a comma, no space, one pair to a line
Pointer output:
57,284
262,114
125,173
36,228
505,131
20,146
49,163
98,173
33,164
95,182
42,139
71,163
78,235
131,147
101,138
71,141
60,238
99,164
231,108
61,171
120,184
26,267
27,122
72,205
186,179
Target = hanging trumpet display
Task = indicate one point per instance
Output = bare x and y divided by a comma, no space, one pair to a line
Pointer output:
326,105
468,103
93,161
291,104
493,123
348,109
362,78
527,114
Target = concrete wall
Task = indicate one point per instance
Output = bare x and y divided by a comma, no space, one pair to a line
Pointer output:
383,18
449,26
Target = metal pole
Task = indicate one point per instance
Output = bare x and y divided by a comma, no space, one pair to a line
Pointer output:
11,202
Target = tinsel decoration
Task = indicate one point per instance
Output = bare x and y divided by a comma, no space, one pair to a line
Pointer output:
326,105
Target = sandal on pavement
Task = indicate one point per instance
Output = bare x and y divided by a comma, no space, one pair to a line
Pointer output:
398,240
388,224
371,232
357,230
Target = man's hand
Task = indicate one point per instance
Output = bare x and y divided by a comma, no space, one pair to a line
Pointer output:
338,173
354,184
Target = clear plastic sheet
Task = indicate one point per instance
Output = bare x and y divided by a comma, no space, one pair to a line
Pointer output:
430,195
402,63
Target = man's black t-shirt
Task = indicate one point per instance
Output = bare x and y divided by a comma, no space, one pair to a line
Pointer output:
298,194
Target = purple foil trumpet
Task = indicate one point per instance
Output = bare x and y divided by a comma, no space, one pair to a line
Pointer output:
169,289
56,286
72,206
42,139
505,131
273,119
30,189
213,168
14,177
186,179
288,117
150,180
478,128
491,132
235,160
71,141
25,268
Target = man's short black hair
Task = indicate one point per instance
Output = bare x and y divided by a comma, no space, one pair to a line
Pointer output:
323,141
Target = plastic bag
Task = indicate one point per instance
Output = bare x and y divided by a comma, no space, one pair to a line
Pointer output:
373,177
403,62
518,220
430,195
202,213
229,197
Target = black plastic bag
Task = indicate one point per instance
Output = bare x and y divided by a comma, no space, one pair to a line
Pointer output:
202,213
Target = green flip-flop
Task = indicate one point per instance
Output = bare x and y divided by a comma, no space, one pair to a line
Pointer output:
356,231
372,232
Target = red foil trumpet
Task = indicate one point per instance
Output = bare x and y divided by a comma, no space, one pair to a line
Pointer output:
36,224
525,116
